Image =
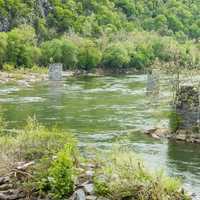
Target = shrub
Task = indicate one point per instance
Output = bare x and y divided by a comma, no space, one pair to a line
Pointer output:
33,143
142,57
3,47
123,176
22,49
89,56
52,51
62,51
8,67
69,54
61,174
115,56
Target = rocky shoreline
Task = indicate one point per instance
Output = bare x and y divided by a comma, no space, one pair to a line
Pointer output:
22,79
180,135
84,186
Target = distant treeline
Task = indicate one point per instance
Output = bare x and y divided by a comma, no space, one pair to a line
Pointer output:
85,34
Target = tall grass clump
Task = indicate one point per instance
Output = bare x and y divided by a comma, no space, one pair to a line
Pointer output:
53,152
122,175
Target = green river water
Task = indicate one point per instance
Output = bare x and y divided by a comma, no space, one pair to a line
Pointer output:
102,111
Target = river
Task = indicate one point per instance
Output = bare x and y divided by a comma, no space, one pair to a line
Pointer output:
102,111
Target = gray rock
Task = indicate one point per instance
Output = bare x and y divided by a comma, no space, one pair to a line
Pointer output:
4,180
79,195
91,197
102,198
89,173
88,188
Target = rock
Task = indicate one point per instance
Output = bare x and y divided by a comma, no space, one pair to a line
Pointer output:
23,83
102,198
5,187
90,165
88,188
155,136
91,197
4,180
181,137
89,173
79,195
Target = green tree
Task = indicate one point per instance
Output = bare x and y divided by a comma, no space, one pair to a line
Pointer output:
69,54
116,56
3,47
52,51
22,46
89,56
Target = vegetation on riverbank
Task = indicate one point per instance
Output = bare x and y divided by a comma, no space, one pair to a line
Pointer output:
110,34
44,162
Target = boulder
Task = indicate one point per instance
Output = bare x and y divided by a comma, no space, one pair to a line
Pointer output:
79,195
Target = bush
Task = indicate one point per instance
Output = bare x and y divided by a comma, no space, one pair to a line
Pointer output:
89,56
3,47
123,176
62,51
8,67
22,50
61,174
55,156
33,143
69,54
115,56
52,51
142,57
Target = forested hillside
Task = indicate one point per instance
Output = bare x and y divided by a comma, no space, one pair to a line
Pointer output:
86,34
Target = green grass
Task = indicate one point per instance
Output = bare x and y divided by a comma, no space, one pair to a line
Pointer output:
123,176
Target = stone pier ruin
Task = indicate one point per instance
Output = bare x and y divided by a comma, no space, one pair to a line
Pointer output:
187,109
55,71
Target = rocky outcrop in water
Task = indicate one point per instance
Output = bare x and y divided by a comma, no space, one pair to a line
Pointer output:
187,107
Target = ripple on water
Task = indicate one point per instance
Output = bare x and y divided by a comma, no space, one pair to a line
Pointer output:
22,100
5,91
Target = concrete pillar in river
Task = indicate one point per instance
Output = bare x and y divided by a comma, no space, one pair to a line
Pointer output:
55,71
152,87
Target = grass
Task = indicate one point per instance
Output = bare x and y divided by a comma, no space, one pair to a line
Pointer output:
122,175
34,69
53,152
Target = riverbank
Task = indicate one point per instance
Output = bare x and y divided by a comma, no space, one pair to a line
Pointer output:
39,163
26,77
22,77
180,135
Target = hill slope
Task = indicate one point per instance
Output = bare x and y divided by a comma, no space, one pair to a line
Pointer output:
97,21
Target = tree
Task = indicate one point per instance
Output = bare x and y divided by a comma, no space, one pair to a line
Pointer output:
115,56
52,51
21,46
89,56
69,54
3,47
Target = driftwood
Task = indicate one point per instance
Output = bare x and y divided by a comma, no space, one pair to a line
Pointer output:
7,188
11,195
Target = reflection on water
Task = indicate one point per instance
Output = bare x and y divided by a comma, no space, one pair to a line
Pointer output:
103,110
